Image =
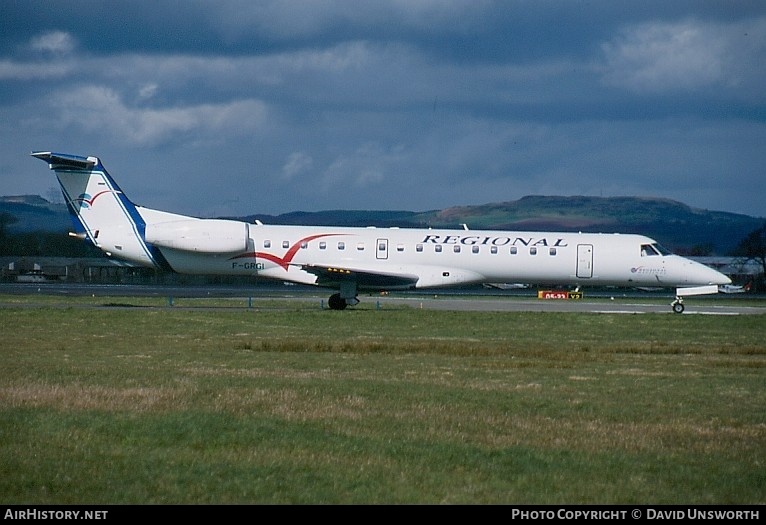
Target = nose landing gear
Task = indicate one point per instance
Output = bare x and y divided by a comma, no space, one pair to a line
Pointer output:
678,305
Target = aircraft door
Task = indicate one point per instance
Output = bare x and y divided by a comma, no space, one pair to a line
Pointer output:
585,261
381,249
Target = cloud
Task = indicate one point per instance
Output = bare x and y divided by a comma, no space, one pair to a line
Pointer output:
148,91
399,104
98,109
297,163
13,70
656,57
304,19
368,165
57,42
683,56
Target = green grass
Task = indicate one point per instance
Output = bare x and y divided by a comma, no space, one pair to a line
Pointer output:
288,403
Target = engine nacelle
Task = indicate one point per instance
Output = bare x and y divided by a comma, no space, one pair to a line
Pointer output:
200,235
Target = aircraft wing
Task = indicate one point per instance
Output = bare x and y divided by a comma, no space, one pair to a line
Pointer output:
333,276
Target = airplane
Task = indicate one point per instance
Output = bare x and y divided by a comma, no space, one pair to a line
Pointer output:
351,259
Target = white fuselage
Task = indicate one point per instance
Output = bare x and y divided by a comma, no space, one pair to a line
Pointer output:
439,258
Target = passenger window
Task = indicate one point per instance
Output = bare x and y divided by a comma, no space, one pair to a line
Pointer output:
419,248
322,245
475,249
456,249
552,251
493,249
267,244
514,250
438,248
341,245
533,250
285,244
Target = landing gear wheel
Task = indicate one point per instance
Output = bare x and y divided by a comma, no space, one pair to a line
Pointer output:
678,306
336,302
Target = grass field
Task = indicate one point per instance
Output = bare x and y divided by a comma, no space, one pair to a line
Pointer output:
284,402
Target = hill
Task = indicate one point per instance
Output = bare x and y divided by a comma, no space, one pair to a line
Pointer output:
681,228
34,213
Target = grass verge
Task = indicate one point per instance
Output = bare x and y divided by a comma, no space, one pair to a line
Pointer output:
301,405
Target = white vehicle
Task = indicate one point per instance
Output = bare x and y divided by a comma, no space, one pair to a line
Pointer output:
353,259
35,276
730,288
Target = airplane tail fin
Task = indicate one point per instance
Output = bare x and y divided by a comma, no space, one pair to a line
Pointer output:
100,211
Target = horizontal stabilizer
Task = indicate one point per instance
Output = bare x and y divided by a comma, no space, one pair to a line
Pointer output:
66,161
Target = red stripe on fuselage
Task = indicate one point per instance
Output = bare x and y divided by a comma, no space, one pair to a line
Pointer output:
285,261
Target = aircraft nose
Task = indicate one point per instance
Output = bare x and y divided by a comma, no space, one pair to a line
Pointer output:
722,279
714,276
700,274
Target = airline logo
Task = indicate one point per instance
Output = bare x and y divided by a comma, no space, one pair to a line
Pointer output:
645,270
86,201
478,240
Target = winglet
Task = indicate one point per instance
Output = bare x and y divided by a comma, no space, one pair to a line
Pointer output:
66,161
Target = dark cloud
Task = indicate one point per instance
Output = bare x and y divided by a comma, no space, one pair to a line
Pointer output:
240,107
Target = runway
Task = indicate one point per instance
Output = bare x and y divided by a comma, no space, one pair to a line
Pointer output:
596,305
458,300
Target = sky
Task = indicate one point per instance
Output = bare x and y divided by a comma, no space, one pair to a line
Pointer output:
221,108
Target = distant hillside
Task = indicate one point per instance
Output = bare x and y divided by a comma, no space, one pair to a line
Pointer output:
34,213
679,227
674,224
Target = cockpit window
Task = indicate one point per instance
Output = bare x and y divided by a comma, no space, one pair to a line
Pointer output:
650,250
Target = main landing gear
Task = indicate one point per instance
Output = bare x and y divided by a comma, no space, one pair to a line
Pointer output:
346,296
336,302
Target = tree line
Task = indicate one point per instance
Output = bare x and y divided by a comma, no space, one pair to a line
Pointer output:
41,243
